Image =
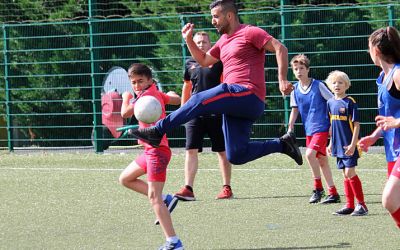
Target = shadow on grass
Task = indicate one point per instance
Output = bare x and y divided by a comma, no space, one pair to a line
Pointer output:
298,196
272,197
339,245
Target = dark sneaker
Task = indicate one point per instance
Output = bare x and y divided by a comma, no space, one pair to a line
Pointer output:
172,246
317,196
344,211
170,201
226,193
185,194
149,135
331,199
360,210
290,147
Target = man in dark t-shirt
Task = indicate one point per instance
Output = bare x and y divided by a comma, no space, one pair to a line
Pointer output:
197,79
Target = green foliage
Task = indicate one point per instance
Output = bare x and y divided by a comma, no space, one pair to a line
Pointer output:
51,72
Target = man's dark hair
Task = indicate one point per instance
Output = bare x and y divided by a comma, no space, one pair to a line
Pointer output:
226,6
140,69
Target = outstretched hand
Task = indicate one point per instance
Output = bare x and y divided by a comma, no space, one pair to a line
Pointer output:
387,122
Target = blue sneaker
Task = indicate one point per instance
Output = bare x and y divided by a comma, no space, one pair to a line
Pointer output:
170,201
172,246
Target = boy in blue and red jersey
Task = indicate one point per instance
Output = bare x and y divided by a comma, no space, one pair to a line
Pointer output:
153,161
345,128
309,100
240,99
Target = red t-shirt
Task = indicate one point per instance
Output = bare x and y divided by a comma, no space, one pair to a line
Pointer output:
163,99
243,57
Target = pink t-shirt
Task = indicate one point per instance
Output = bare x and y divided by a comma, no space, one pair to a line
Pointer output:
163,99
243,57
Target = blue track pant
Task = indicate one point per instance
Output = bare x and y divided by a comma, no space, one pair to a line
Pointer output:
240,108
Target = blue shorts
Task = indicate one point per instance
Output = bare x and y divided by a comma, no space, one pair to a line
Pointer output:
343,163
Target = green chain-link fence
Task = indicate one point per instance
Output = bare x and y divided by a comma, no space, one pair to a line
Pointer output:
52,73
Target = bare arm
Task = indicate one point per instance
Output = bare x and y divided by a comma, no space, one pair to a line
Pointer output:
396,79
352,147
126,108
203,58
292,119
282,60
174,98
186,91
369,140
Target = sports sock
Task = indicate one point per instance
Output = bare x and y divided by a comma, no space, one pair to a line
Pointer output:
173,239
189,187
332,190
357,189
318,184
396,217
348,192
390,166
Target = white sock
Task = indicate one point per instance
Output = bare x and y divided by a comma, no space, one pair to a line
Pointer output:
173,239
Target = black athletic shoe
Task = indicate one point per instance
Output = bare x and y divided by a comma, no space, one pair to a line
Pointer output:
290,147
149,135
331,199
360,210
317,196
344,211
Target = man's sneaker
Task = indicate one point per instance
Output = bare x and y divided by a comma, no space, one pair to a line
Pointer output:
185,194
170,201
172,246
226,193
317,196
331,199
291,148
360,210
149,135
344,211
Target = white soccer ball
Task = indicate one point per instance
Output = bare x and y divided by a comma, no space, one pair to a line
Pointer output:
147,109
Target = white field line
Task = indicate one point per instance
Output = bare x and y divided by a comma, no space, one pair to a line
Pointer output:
72,169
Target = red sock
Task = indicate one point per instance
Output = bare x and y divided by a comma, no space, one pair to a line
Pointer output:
396,217
390,166
318,184
332,190
357,189
348,192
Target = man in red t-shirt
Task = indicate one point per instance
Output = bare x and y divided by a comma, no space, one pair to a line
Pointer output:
241,49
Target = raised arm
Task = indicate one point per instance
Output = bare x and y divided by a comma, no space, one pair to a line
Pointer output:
174,98
203,58
126,108
282,60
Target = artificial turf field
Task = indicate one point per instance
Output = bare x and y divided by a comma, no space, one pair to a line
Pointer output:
72,200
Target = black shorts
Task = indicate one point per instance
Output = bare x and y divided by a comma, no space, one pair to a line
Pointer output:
197,128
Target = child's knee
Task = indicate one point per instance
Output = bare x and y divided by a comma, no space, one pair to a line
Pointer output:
154,199
311,154
123,180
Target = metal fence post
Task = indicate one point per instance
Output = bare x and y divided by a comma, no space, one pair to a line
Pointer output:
283,37
96,92
183,44
10,141
391,14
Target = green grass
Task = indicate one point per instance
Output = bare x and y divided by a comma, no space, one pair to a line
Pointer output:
73,201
